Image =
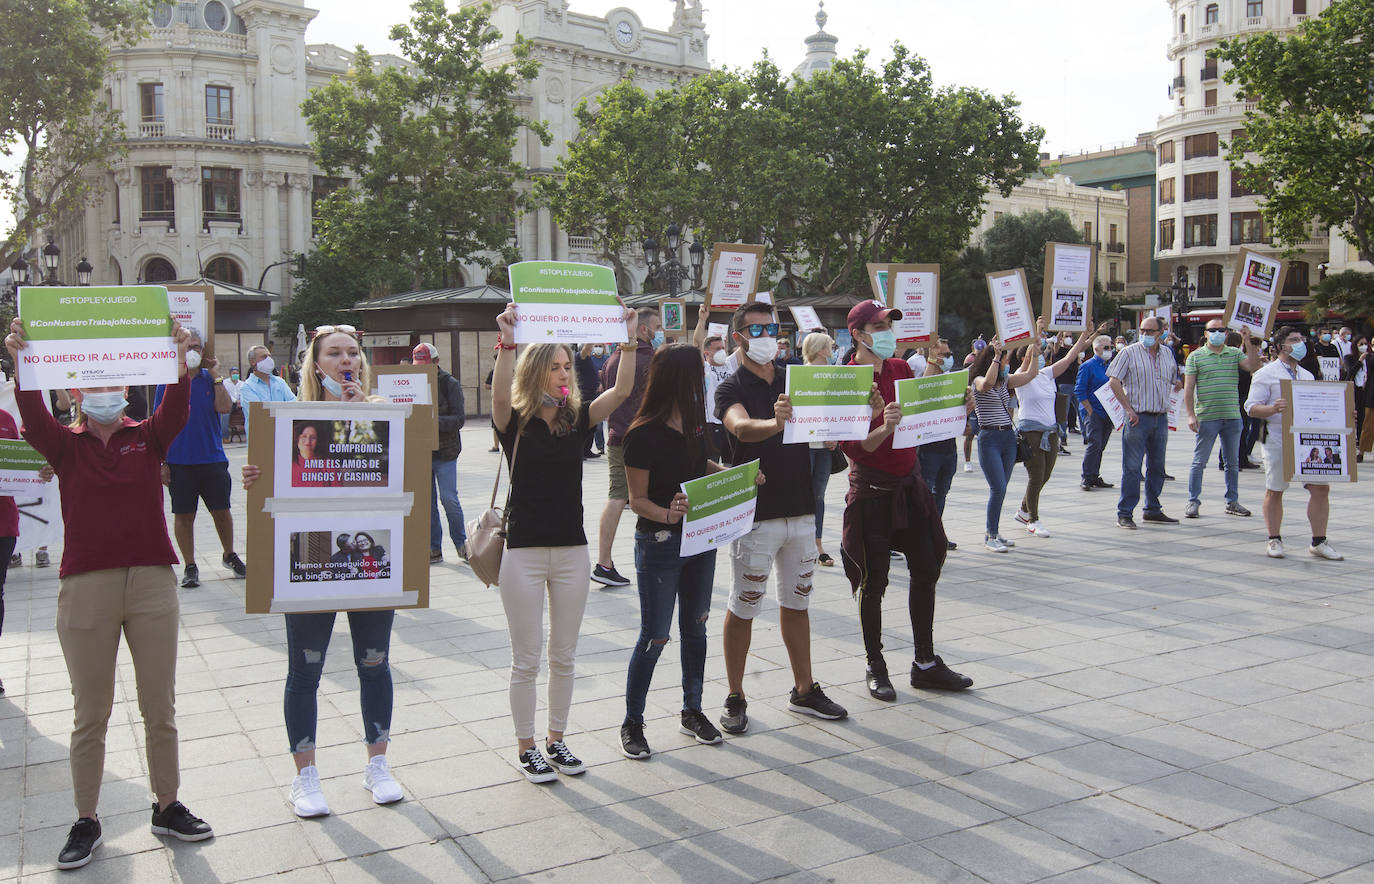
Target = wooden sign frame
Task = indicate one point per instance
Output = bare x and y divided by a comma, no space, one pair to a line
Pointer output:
718,253
207,333
426,418
890,298
1281,277
1047,310
412,506
876,285
1025,338
1345,434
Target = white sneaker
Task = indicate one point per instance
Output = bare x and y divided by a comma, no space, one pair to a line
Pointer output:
1274,549
994,544
1023,517
378,778
1323,550
1038,529
968,467
1009,544
306,796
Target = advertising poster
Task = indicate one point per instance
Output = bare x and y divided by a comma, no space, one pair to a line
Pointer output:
1069,273
1319,432
1011,308
1115,410
807,319
563,302
933,409
336,555
96,336
735,271
1321,456
720,508
830,403
194,307
914,289
1253,300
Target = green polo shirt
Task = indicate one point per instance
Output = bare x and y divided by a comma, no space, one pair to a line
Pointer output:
1218,382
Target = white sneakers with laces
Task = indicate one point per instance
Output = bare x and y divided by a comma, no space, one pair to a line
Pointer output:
1038,529
1274,548
306,796
994,544
1323,550
378,779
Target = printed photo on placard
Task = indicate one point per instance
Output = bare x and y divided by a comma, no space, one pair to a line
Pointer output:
350,449
337,555
1321,455
671,311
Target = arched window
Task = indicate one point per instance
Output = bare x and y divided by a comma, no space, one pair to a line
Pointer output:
159,270
1213,13
225,270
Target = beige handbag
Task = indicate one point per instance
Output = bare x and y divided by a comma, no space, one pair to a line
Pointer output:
487,533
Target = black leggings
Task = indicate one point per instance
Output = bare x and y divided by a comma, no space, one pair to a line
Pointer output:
6,550
871,577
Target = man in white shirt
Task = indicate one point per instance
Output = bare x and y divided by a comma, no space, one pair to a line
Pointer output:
1266,401
1343,343
231,386
917,363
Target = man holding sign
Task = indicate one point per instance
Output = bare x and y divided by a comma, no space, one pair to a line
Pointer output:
752,405
889,507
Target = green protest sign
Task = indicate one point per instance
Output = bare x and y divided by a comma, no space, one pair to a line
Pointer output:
720,508
829,402
96,337
19,466
933,409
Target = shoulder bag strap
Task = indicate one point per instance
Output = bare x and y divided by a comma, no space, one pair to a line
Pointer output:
510,485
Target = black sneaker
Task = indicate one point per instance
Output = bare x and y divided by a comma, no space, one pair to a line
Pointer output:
1099,482
632,742
880,686
191,578
561,757
1125,522
235,564
40,559
950,544
463,552
436,556
939,678
736,719
1160,518
81,840
609,576
815,702
1087,485
696,724
535,768
180,823
1235,509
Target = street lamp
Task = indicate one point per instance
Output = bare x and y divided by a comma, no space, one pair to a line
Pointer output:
19,272
51,254
664,265
1181,296
83,272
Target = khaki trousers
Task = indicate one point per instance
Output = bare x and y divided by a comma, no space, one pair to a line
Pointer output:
92,610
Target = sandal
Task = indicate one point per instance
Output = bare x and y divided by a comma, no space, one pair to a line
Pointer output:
825,560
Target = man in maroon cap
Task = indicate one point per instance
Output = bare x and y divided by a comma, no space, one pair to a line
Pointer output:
888,507
448,400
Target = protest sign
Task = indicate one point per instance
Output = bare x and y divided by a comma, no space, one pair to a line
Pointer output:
933,409
877,280
1069,274
1011,308
103,336
1115,410
734,279
830,403
1318,436
807,319
1330,367
672,312
194,307
720,508
1175,408
563,302
1253,299
19,466
40,508
914,289
411,385
719,330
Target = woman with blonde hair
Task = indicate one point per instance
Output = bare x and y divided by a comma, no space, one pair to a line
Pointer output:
336,370
542,422
818,348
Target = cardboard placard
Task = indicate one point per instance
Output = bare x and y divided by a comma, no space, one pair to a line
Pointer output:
1069,273
673,312
387,383
1318,432
296,519
194,305
735,269
1012,313
877,280
807,319
1252,302
914,289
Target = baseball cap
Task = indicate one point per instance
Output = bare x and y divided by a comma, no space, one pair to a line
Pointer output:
425,352
864,312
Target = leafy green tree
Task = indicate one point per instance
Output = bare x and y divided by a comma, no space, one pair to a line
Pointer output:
1346,294
429,146
1308,149
329,285
51,68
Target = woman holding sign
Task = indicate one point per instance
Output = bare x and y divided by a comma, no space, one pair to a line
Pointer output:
535,405
993,382
818,348
116,578
335,370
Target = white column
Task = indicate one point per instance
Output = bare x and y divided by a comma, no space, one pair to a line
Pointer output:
271,229
188,219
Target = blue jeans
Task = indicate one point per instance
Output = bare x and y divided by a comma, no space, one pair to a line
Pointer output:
938,461
1097,432
307,640
1207,431
446,492
820,478
1144,442
997,456
664,576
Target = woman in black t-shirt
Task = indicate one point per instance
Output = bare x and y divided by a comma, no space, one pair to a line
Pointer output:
666,446
536,401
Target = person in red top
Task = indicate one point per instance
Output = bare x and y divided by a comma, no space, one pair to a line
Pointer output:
116,577
9,521
888,507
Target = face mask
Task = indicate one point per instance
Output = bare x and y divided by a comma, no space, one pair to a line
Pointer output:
597,351
334,387
1005,371
1148,340
1040,362
1326,339
1299,351
1106,354
192,360
265,365
657,340
884,344
1216,338
947,364
234,375
762,350
103,408
719,356
1364,348
556,401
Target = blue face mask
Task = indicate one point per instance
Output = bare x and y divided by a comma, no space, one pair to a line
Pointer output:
657,340
334,387
104,408
884,344
947,364
1216,338
1326,339
1040,361
1148,340
1299,351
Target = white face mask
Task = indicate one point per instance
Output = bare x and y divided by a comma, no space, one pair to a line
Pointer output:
762,350
104,408
265,365
192,360
719,356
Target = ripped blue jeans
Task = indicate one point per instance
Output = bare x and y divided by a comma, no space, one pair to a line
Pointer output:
664,579
307,640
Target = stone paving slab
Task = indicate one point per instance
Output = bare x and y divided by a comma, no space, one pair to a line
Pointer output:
1165,704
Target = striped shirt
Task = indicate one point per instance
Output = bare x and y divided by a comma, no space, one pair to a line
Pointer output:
1147,377
1218,380
993,406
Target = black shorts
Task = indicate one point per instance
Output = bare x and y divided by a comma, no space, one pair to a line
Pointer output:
209,482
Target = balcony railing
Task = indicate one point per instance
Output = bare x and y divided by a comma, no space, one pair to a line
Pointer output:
224,218
1254,21
1180,82
1116,247
168,216
1209,73
152,127
1116,285
219,130
581,244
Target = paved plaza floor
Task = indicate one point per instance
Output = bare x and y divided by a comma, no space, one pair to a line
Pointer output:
1165,704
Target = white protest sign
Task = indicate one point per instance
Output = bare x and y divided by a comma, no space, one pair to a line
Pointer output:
1115,410
807,319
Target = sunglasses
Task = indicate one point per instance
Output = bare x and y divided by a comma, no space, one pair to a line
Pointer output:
758,329
331,329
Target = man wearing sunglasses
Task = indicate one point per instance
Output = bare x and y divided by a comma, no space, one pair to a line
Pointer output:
753,406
